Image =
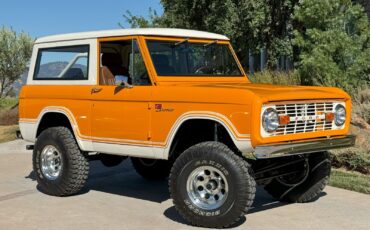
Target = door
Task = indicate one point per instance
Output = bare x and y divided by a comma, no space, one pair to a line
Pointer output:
120,102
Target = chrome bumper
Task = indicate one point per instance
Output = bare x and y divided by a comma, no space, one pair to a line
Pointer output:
294,148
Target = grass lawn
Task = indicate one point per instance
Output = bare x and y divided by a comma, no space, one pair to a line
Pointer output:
7,133
7,103
350,180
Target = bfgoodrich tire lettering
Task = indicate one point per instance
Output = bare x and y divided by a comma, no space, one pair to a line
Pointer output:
75,166
319,166
241,186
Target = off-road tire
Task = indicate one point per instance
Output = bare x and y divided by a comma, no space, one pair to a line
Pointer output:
111,160
152,169
75,167
242,186
310,188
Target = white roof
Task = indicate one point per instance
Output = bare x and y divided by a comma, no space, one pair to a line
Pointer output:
127,32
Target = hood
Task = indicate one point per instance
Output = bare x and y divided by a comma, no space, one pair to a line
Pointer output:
242,93
268,92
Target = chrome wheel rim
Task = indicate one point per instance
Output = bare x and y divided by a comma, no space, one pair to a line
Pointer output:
51,162
207,187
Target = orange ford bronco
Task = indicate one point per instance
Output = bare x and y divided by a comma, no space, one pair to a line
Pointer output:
179,104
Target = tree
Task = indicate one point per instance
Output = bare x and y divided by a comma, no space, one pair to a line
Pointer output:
251,24
365,4
334,43
15,52
136,21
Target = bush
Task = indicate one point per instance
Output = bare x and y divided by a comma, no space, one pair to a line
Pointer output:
276,77
361,104
354,159
8,103
334,44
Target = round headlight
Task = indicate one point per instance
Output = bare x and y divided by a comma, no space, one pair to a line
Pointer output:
339,115
270,120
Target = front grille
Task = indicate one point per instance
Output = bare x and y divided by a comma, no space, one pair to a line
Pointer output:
304,117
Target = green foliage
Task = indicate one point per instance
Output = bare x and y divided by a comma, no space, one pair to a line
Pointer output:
355,159
334,43
276,77
136,21
350,180
251,25
15,52
8,103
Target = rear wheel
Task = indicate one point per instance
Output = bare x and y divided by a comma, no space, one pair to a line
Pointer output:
306,185
152,169
61,168
211,186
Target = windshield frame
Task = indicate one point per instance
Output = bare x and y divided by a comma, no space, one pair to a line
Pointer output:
242,77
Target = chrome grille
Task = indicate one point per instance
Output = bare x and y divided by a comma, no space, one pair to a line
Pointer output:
304,117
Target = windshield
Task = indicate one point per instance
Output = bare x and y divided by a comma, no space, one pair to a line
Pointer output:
192,59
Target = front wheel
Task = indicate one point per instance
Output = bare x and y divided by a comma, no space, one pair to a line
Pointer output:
211,186
305,186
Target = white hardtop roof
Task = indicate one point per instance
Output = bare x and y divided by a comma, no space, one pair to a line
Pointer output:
127,32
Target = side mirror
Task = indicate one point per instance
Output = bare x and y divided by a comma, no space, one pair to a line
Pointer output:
121,80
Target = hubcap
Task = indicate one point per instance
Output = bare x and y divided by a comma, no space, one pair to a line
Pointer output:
51,162
207,187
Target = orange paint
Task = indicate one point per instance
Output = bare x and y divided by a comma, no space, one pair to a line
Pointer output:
128,116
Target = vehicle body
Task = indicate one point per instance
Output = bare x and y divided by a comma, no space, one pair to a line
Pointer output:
157,93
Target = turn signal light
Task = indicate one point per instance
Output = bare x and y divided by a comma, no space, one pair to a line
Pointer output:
284,119
329,117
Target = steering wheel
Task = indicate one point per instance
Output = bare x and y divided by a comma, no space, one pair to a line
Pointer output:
203,69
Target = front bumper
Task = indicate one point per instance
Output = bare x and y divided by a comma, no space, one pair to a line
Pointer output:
302,147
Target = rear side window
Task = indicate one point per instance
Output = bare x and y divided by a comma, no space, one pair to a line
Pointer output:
62,63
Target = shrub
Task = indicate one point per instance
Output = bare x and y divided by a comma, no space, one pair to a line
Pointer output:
355,159
334,43
276,77
7,103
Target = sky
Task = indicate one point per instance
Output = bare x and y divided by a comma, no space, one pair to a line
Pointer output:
46,17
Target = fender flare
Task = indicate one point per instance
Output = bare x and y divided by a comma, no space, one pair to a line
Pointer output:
241,141
69,115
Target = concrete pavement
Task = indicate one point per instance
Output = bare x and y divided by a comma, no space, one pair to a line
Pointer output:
118,198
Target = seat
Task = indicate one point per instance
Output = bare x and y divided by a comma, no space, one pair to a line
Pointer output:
162,64
75,74
106,77
111,67
114,63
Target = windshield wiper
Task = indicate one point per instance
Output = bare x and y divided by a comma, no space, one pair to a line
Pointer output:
210,43
186,40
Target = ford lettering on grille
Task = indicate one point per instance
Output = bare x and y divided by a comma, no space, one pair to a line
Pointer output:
304,117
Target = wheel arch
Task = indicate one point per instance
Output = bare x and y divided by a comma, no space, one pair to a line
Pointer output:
57,117
225,134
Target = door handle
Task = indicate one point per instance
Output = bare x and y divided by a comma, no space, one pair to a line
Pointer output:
96,90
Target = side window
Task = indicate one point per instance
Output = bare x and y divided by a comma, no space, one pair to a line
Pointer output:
62,63
121,62
137,70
